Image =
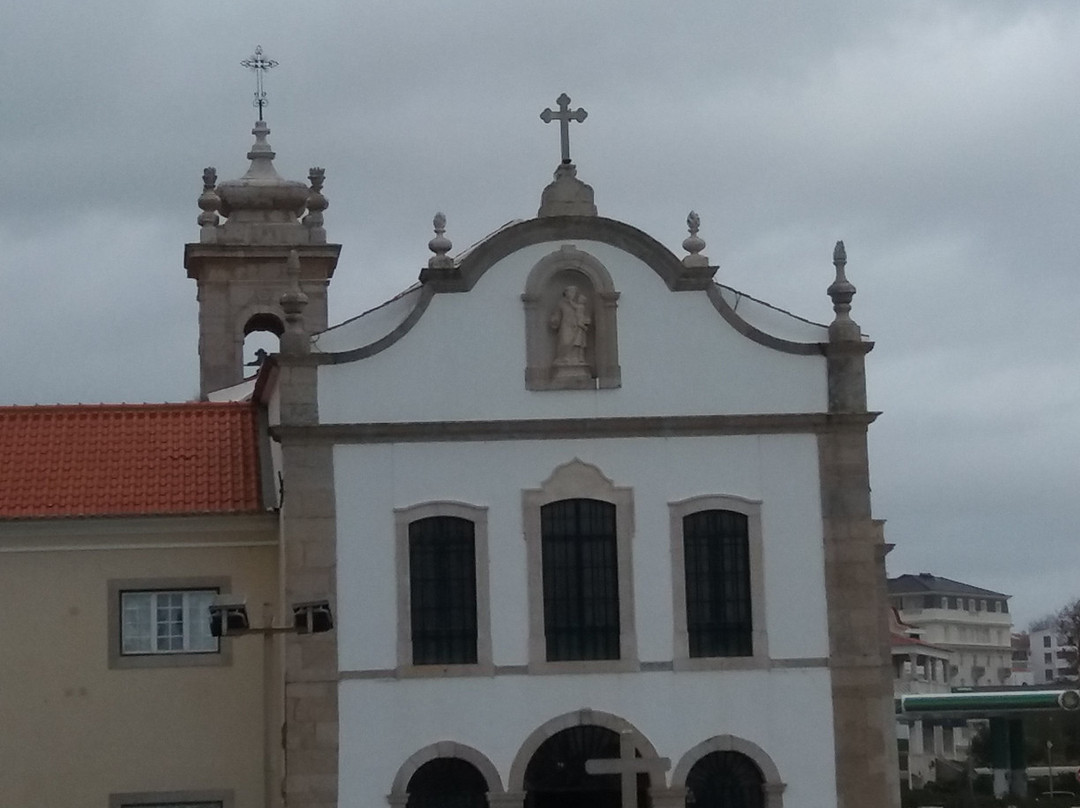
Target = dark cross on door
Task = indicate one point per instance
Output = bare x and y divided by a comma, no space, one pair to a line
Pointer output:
628,766
564,116
260,65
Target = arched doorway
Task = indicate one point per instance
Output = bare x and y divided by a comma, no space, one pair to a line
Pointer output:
725,779
447,782
556,778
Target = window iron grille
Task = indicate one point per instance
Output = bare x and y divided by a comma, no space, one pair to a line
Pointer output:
442,590
716,551
581,580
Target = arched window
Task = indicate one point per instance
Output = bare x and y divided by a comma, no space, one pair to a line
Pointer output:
718,583
579,531
447,782
443,610
725,779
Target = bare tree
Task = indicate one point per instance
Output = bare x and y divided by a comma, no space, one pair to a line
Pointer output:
1048,620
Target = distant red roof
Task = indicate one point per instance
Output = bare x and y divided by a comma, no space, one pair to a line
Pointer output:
128,460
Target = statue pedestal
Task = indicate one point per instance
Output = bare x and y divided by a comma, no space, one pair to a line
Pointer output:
572,377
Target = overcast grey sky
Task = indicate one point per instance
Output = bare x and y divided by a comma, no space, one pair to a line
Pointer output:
938,139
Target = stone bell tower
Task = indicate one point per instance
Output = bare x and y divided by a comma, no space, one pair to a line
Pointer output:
239,262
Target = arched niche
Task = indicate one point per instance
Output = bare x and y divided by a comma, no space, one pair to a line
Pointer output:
571,333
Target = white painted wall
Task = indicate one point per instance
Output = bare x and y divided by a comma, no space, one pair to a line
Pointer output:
779,470
786,712
465,358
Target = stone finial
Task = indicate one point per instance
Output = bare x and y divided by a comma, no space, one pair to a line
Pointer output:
440,245
209,201
316,204
693,243
842,291
567,195
293,302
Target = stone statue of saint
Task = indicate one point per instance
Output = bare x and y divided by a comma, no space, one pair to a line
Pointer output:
571,321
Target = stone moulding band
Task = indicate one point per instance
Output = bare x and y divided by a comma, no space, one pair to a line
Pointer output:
793,663
574,428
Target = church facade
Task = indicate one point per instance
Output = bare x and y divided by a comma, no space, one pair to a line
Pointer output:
595,530
596,527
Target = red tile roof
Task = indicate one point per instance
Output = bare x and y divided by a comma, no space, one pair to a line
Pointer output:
128,460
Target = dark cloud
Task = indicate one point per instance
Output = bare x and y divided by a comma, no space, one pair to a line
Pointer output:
936,138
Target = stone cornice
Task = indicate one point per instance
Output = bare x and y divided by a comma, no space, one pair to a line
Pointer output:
325,256
464,276
659,426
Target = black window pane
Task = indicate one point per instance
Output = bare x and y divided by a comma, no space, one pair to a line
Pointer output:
716,548
442,588
581,579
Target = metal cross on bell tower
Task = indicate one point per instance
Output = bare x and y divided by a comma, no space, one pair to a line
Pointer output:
260,65
564,116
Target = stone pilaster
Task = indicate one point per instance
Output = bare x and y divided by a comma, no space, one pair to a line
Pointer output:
309,564
867,769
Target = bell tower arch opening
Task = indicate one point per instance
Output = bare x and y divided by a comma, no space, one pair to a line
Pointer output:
262,337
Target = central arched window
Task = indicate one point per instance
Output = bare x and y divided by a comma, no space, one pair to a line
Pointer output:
579,531
581,579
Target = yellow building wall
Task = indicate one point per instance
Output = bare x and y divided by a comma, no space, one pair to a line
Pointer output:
72,729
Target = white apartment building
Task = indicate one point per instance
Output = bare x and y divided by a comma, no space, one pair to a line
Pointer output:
1048,657
974,624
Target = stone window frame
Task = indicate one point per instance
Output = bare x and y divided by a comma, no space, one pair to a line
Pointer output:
119,660
579,480
225,797
774,786
399,795
751,509
478,515
605,324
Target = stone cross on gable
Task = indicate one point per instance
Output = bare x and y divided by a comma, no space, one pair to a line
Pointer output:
628,766
564,116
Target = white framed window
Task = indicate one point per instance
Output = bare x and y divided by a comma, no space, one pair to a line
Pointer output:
164,622
167,621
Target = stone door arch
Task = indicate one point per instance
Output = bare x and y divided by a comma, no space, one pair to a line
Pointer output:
753,779
449,761
577,736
